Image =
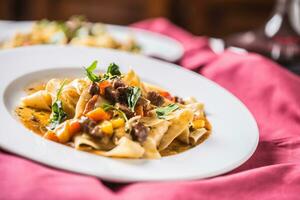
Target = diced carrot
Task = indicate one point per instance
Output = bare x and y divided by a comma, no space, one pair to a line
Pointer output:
167,95
103,85
74,127
139,110
98,114
50,135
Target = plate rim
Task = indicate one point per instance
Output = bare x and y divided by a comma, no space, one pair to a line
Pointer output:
122,179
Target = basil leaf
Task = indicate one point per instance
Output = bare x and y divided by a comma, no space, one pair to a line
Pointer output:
113,70
106,107
90,72
58,115
133,96
162,112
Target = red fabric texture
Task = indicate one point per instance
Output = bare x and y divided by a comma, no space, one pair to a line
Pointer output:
270,92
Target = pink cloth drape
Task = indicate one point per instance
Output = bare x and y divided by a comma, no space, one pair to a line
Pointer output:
270,92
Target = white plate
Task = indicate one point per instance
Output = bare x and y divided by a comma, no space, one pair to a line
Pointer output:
153,44
232,142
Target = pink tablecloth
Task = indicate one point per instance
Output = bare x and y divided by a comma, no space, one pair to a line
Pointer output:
271,93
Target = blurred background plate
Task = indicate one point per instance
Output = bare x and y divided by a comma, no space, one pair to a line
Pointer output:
153,44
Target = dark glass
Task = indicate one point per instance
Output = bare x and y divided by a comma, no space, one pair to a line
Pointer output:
278,39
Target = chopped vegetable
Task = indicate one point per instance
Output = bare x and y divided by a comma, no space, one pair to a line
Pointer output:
117,122
74,127
98,114
103,85
162,112
90,72
167,95
133,96
58,115
50,135
198,123
107,127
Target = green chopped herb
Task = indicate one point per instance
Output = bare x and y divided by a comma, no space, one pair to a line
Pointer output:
90,72
133,96
162,112
58,115
106,107
112,72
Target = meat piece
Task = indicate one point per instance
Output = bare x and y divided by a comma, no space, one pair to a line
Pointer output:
87,125
118,83
117,93
129,114
90,105
139,132
179,100
121,94
155,98
142,102
96,132
110,94
145,104
90,127
94,89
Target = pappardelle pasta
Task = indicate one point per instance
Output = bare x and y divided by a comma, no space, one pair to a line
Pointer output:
76,31
114,114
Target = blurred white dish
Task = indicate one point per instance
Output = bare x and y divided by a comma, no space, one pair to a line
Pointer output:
153,44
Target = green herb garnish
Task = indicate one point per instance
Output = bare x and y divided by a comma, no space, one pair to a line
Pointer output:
133,96
112,72
162,112
90,72
58,115
106,107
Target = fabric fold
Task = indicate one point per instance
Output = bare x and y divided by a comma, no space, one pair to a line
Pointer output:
270,92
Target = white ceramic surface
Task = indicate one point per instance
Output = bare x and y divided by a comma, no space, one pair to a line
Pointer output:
153,44
232,142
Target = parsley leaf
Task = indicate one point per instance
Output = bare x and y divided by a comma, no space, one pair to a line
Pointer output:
162,112
113,70
58,115
133,96
106,107
90,72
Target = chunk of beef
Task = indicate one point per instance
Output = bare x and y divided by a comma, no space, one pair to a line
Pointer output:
129,114
121,93
118,83
94,89
155,98
90,127
179,100
110,94
139,132
142,102
87,125
96,132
